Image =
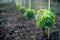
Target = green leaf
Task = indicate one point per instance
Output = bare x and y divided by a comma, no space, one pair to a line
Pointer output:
40,23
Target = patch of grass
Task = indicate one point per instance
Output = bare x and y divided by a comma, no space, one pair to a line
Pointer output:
3,9
3,6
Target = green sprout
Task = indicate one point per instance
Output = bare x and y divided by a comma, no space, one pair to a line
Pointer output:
18,5
22,9
29,13
45,20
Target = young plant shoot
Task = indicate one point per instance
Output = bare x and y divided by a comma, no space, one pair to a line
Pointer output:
29,13
45,19
22,9
18,5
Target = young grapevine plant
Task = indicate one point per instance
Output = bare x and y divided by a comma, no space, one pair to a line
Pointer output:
22,9
29,13
44,20
18,5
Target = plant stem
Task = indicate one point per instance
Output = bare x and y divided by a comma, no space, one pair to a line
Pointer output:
49,5
43,30
29,3
48,28
24,3
48,33
21,2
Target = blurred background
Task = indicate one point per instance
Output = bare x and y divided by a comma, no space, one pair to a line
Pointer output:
36,3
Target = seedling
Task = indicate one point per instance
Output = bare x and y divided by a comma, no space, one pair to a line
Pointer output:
18,5
45,19
22,9
29,13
